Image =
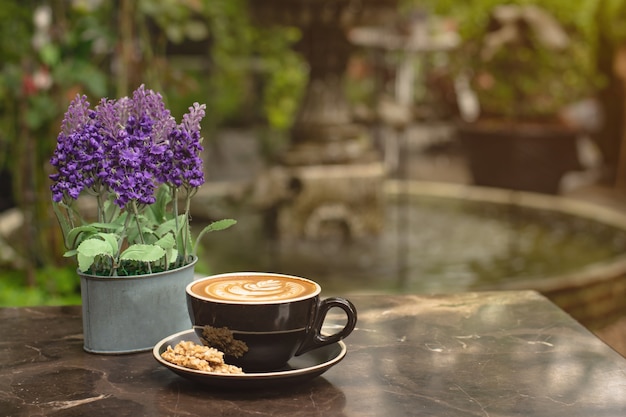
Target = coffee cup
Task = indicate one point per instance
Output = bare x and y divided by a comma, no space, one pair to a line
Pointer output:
261,320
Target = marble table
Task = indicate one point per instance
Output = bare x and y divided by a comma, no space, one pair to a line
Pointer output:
470,354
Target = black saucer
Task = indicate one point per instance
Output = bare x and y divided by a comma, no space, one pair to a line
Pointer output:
299,369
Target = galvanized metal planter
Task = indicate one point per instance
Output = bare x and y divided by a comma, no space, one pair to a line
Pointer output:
130,314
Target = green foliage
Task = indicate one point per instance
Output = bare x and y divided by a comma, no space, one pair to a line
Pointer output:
608,23
153,239
81,52
179,20
54,286
242,51
213,227
525,79
472,15
533,82
286,75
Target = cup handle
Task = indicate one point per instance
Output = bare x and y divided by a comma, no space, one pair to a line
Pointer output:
315,338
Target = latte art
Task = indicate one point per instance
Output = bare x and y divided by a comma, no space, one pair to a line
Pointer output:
254,288
270,289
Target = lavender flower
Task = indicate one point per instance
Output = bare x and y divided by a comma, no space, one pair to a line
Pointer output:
183,167
78,154
130,146
129,152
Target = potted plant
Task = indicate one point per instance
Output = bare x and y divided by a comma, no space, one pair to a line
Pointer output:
135,253
524,68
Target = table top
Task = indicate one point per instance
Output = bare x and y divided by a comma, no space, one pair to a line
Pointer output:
471,354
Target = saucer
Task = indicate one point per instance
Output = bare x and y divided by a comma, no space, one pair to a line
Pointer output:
299,369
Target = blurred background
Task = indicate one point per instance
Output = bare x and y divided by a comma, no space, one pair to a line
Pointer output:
204,51
440,91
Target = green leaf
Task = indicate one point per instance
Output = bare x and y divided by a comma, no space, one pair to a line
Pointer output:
157,212
172,255
166,227
214,227
111,239
95,247
105,226
219,225
84,262
89,249
142,232
62,219
183,235
112,211
143,253
166,242
74,236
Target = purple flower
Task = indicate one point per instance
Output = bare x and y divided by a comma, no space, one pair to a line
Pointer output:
150,104
78,154
129,146
128,151
130,172
77,115
183,165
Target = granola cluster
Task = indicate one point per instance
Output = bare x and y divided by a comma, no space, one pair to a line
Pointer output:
194,356
222,338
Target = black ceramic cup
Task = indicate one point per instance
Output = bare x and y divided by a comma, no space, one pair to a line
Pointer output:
261,320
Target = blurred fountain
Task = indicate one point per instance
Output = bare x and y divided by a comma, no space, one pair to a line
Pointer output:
329,180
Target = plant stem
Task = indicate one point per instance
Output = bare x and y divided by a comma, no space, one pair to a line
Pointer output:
187,231
175,202
119,247
136,215
101,217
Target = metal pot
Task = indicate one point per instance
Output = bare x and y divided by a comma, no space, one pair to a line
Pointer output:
131,314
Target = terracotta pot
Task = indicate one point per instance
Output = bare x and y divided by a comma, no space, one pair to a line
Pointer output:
131,314
531,157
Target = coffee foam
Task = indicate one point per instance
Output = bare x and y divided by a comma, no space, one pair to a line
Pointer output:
261,288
